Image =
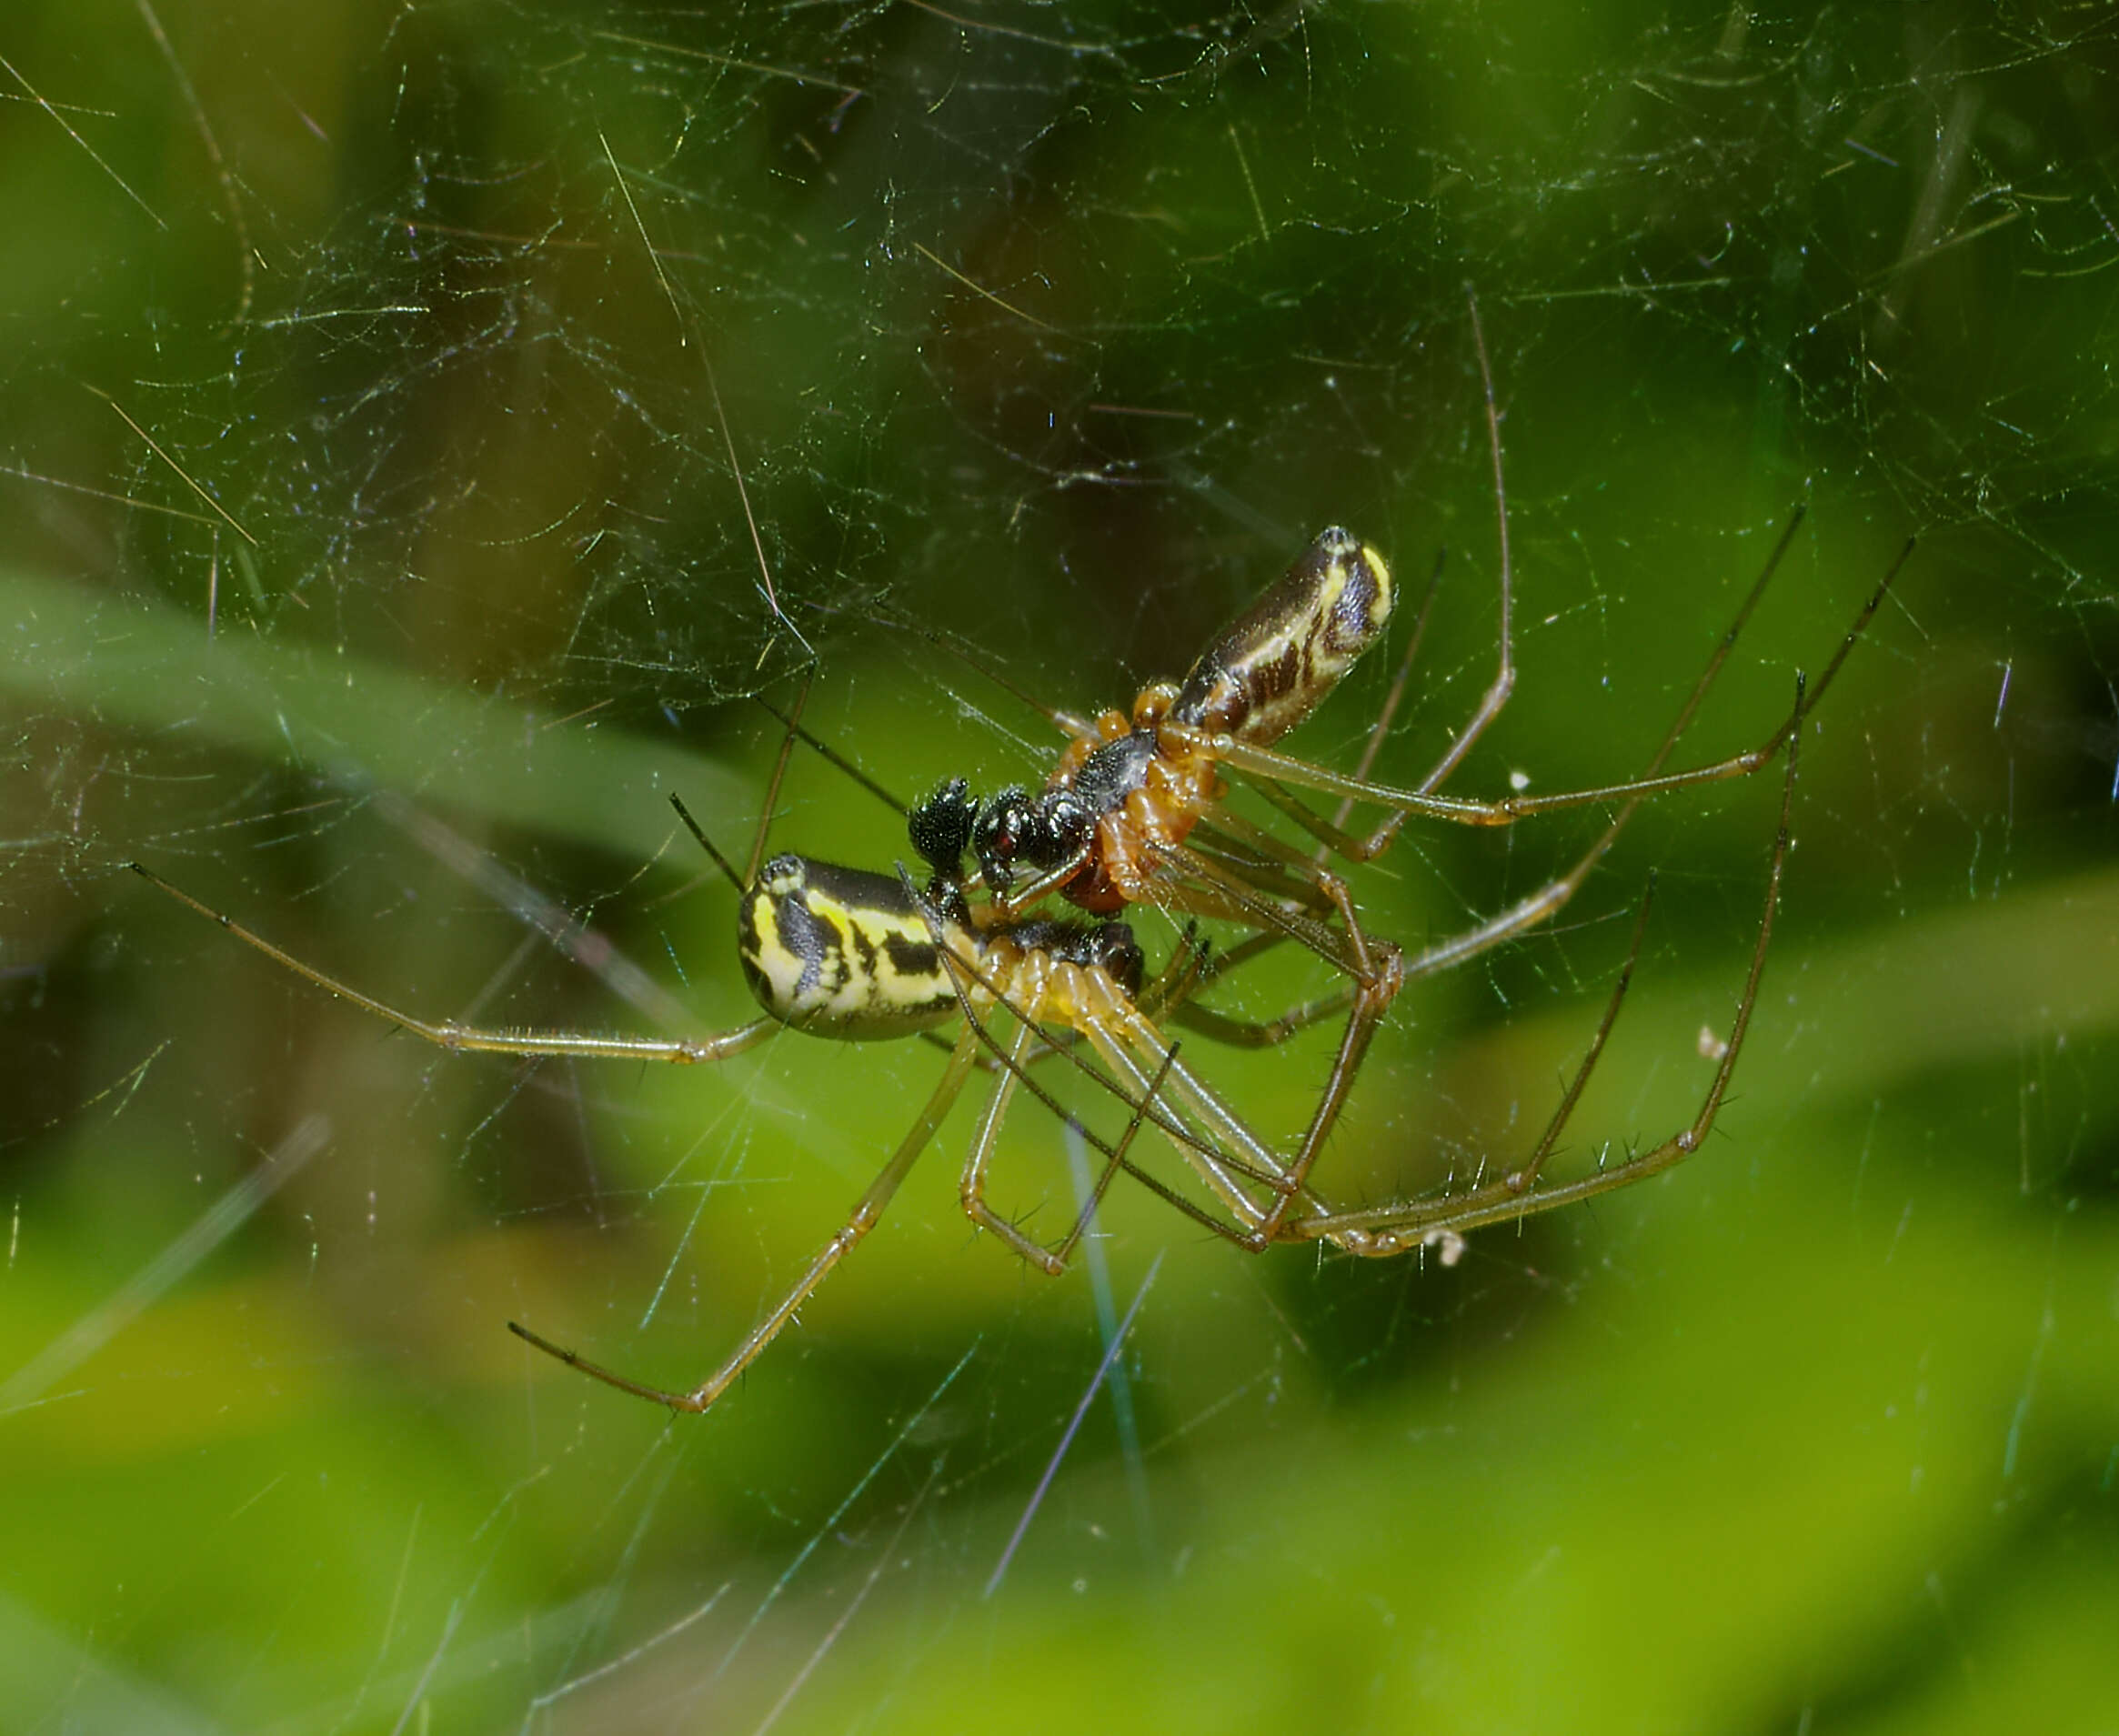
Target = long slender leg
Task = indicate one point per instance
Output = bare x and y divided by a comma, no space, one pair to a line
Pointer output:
1214,890
1130,1043
1121,1044
1145,1067
1377,972
1189,883
1318,888
1461,810
1083,1019
1262,1033
1395,1228
1503,684
1532,910
1173,986
1522,1179
1179,979
1547,901
972,1189
1053,1260
1371,1001
743,882
448,1034
1504,680
1267,763
1099,1013
1116,1162
1018,899
830,754
1265,863
1210,885
867,1212
1125,1040
1526,913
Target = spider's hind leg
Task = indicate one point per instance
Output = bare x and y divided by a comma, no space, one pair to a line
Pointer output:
1409,1224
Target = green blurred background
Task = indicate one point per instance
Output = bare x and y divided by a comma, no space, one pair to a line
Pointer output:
374,567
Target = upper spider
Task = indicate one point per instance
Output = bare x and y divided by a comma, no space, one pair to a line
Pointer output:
1135,785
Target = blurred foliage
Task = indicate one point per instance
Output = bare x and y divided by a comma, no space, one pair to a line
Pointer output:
374,564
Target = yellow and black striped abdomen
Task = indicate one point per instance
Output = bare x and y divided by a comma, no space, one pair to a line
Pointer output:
841,953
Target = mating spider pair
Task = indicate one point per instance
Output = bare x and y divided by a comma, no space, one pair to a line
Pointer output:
1134,812
856,956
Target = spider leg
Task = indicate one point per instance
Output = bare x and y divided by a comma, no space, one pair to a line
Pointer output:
1019,898
1178,980
448,1034
1220,1148
1522,1180
1532,910
1528,912
1117,1162
1376,968
1197,884
1166,996
972,1191
1506,810
972,1187
1504,680
1102,1016
1128,1042
1261,763
1503,684
864,1216
1245,1033
1371,999
1145,1073
1547,901
1210,887
1395,1228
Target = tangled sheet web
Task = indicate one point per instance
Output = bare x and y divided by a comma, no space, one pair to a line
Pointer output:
453,361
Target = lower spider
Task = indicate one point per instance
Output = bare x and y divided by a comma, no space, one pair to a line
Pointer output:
858,957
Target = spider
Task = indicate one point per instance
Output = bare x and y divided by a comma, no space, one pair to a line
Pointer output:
857,956
1255,1186
1264,1216
1133,808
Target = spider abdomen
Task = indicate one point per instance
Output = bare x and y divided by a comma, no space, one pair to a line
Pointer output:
1270,667
841,952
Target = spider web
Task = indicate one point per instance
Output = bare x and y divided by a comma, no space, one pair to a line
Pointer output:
425,432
